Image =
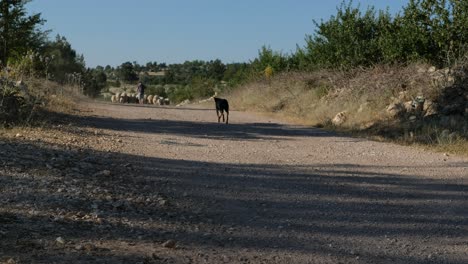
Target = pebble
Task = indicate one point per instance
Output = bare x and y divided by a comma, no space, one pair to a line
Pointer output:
60,240
79,247
169,244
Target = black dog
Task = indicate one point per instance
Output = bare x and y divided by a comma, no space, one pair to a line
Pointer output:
221,106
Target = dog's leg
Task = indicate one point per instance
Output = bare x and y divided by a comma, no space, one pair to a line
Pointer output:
222,113
218,115
227,117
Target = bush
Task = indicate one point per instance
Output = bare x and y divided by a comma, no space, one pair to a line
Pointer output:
181,93
433,31
15,107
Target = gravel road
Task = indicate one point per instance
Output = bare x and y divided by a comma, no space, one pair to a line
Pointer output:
173,186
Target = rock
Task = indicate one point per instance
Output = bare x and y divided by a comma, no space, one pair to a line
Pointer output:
431,69
339,119
430,108
402,96
118,205
85,165
11,261
79,247
408,105
186,101
18,135
395,109
89,247
366,125
60,240
418,103
363,107
169,244
103,173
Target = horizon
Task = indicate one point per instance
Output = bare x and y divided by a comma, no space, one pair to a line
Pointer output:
203,30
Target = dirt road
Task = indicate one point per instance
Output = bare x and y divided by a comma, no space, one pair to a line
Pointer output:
181,188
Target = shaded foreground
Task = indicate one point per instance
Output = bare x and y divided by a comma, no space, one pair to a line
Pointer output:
251,192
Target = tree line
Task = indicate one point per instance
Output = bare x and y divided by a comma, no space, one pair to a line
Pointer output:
27,51
433,31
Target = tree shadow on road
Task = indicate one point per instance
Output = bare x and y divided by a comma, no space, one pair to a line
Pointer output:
194,129
339,212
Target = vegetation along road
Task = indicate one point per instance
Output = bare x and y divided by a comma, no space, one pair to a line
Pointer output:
145,184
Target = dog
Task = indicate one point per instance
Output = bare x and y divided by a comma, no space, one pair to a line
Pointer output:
221,106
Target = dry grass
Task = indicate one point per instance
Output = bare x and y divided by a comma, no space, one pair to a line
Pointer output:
364,94
44,98
318,96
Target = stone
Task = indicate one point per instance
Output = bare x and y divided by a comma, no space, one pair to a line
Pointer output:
430,108
418,103
169,244
363,107
339,119
395,109
89,247
60,240
103,173
11,261
79,247
408,106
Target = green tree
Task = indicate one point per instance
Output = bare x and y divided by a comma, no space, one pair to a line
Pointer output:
434,30
126,72
348,39
63,59
94,82
269,58
19,31
215,70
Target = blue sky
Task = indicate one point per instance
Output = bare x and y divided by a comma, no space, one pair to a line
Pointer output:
172,31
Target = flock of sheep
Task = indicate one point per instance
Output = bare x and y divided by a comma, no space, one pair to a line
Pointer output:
133,98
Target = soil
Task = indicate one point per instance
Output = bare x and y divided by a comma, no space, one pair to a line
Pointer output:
145,184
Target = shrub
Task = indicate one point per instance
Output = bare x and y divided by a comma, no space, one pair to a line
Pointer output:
15,105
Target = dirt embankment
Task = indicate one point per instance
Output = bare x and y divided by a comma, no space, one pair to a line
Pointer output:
415,104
